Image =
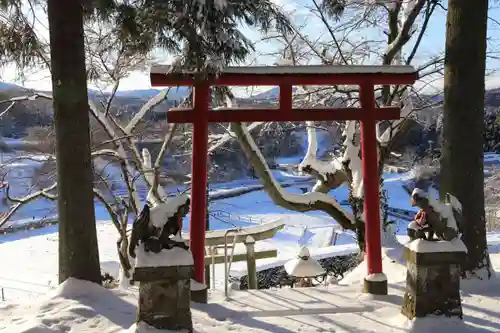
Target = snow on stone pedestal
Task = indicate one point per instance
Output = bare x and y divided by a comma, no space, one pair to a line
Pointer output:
173,257
304,266
424,246
433,278
197,286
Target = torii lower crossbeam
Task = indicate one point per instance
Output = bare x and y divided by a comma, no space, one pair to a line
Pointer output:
200,115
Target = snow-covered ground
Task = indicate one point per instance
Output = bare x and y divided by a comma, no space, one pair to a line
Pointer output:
77,306
33,303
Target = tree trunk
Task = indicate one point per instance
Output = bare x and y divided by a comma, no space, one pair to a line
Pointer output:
125,274
78,251
462,152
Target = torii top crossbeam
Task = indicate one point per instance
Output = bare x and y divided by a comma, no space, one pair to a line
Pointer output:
161,75
284,77
366,77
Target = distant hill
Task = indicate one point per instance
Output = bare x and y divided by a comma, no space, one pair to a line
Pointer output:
127,103
9,86
492,97
272,93
175,93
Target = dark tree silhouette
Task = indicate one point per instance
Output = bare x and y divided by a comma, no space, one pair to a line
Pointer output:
78,250
463,123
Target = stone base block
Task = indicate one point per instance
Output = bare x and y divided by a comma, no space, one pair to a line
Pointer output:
432,283
164,297
199,296
375,287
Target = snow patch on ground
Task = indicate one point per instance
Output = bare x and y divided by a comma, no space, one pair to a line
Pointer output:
142,327
79,306
394,270
75,306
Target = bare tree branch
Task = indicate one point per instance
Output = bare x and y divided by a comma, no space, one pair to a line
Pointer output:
301,203
404,34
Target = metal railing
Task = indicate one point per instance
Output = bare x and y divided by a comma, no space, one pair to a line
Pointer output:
221,214
36,289
227,267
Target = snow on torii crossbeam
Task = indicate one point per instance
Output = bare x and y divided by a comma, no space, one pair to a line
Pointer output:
366,77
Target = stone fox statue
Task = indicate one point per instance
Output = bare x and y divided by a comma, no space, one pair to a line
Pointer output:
174,223
429,221
156,239
141,230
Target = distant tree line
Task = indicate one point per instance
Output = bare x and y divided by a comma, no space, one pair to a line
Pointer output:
426,140
492,131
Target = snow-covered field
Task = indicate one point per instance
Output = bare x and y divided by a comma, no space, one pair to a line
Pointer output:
34,252
33,303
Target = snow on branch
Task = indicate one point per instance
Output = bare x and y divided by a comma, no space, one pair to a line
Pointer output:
20,201
405,32
150,104
298,202
16,99
228,136
306,202
42,158
406,22
311,161
144,162
329,174
353,159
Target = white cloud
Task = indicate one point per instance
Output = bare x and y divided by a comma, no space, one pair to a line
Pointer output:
437,85
138,80
41,80
288,5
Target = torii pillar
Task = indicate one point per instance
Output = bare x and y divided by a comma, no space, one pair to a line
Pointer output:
200,115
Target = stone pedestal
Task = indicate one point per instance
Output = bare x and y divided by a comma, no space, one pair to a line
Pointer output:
433,278
164,297
200,296
376,284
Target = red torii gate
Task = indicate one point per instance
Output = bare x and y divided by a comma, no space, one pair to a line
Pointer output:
366,77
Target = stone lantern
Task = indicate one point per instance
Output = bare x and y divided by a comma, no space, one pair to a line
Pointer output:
304,267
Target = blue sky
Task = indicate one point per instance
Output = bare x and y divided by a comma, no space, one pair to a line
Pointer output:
432,44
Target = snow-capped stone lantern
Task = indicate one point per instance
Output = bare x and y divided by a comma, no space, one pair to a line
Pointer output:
163,264
433,264
304,267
